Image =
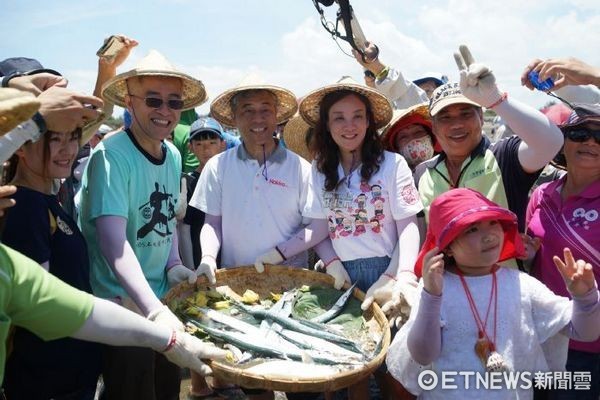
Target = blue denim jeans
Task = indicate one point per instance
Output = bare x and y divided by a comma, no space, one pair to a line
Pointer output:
365,271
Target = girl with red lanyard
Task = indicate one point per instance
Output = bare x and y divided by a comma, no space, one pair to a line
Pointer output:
473,315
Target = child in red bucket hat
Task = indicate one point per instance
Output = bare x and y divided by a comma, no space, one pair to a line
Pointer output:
474,319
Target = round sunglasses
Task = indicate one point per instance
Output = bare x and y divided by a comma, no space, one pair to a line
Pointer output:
155,102
582,135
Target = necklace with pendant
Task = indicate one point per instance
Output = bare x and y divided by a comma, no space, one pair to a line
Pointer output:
485,347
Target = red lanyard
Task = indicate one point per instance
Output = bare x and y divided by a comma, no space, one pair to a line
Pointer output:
481,325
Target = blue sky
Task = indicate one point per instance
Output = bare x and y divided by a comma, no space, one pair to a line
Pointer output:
222,41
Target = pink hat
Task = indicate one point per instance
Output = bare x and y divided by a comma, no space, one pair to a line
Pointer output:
557,113
453,211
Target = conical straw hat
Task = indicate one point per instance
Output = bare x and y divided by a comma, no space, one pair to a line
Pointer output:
381,106
155,64
294,135
16,106
287,105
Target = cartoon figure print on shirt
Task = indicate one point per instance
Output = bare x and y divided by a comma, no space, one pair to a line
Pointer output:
583,218
376,194
352,214
153,210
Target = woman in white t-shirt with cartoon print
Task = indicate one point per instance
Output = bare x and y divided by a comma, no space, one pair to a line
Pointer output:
366,194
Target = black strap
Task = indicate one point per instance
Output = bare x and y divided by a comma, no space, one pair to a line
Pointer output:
345,15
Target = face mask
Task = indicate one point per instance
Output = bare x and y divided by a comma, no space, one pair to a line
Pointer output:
418,150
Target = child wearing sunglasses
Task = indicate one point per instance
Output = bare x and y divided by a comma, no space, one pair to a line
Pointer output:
473,316
565,213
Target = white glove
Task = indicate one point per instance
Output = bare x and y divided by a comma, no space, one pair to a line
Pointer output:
271,257
164,316
336,269
477,82
398,308
178,273
188,351
208,267
381,291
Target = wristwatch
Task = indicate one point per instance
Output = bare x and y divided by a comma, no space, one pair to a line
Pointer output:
39,121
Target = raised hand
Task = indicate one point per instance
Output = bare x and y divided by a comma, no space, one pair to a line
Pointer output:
122,53
477,81
564,71
37,83
433,272
578,275
64,110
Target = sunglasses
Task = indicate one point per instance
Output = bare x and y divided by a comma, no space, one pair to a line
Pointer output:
155,102
582,135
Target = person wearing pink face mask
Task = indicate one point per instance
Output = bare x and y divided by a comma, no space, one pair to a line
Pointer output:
409,134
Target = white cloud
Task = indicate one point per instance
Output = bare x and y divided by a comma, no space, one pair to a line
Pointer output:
414,37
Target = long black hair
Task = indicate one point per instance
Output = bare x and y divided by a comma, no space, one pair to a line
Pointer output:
326,151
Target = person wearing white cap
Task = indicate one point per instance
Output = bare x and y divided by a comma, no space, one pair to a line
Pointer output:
504,171
130,190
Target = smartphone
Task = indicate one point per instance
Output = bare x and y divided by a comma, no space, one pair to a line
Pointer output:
111,47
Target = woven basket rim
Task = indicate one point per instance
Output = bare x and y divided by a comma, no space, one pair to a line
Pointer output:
238,376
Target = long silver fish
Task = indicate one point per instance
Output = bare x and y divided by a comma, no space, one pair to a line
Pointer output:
268,348
298,326
308,342
337,307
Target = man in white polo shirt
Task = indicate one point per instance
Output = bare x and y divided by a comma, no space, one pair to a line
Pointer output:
253,194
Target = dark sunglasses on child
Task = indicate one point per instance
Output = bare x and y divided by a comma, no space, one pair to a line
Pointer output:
155,102
582,135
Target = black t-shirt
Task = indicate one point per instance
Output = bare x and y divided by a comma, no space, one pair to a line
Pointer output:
38,227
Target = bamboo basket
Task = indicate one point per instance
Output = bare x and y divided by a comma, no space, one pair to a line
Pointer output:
279,279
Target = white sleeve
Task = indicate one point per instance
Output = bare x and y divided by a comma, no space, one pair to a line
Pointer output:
401,92
551,313
404,197
207,196
314,207
579,93
541,139
112,324
305,171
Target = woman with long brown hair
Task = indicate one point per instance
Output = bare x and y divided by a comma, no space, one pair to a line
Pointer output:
38,227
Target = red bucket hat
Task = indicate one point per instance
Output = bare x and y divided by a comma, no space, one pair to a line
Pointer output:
419,115
453,211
